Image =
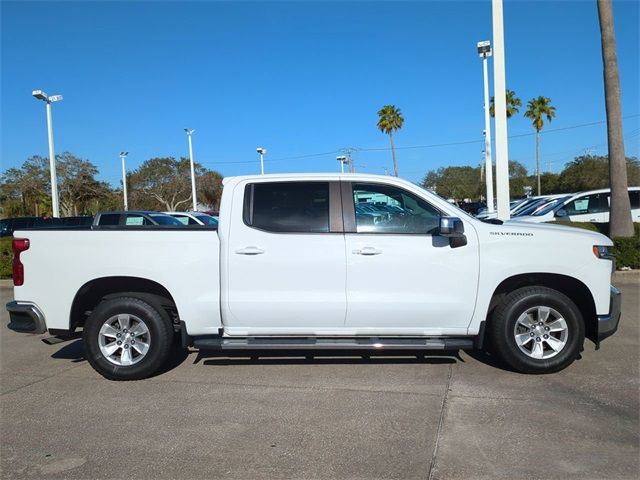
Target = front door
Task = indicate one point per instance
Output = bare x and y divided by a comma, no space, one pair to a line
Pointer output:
286,260
402,278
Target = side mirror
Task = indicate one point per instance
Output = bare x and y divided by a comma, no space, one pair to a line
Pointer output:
451,227
561,212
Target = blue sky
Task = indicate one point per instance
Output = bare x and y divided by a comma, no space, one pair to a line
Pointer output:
301,78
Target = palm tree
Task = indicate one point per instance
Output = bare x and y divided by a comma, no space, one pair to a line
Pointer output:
620,224
513,104
538,108
390,119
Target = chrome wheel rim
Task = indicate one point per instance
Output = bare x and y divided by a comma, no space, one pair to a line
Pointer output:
541,332
124,339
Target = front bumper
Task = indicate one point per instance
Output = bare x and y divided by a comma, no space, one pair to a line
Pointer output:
608,324
26,318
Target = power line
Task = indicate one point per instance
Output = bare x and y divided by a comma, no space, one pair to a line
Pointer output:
411,147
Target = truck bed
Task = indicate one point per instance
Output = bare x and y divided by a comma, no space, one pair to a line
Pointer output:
184,260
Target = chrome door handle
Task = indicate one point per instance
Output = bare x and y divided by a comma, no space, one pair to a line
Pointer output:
250,251
367,251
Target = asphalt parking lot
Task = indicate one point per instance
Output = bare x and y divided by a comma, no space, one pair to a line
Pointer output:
438,417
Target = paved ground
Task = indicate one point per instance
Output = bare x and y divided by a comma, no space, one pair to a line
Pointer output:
433,418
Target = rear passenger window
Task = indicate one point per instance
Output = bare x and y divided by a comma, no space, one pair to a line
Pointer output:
296,207
634,198
109,219
133,219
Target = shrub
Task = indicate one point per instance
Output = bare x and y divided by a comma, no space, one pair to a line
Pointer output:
6,257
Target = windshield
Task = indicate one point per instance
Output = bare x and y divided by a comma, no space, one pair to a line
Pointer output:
163,219
550,206
530,208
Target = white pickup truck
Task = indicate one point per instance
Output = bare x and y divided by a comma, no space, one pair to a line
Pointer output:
318,261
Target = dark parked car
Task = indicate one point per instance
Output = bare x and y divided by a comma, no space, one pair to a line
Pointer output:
472,208
8,225
134,218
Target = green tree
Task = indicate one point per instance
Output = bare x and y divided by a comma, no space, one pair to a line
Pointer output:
589,172
620,224
538,109
78,189
26,190
390,120
165,184
454,182
518,179
548,183
513,104
209,186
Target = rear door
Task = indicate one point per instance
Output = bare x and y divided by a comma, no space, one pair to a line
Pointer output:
402,278
285,259
634,201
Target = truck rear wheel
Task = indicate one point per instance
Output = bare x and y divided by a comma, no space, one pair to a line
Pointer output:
537,330
126,338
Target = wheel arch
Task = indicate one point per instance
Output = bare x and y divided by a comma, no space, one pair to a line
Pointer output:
94,291
573,288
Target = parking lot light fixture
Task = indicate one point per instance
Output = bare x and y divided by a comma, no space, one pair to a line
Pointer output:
189,133
123,155
261,151
342,159
484,51
40,95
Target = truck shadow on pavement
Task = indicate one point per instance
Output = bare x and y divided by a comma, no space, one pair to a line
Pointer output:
71,351
74,352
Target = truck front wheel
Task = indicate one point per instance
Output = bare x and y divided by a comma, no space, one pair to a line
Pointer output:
537,330
126,338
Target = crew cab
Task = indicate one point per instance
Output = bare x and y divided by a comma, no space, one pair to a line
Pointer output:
292,266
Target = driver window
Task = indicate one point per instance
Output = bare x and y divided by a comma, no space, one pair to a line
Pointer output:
388,209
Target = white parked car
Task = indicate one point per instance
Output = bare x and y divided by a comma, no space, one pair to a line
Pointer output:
515,206
590,206
193,218
292,266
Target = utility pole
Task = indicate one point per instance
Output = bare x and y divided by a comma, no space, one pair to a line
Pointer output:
347,152
500,102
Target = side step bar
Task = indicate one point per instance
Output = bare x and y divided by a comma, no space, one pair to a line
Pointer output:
368,343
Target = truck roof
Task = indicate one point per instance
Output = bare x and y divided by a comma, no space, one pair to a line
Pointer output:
322,175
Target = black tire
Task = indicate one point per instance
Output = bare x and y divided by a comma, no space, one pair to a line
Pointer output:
160,338
502,330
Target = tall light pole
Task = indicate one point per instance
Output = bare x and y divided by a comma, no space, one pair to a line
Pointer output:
123,155
261,151
193,172
484,50
40,95
500,102
342,159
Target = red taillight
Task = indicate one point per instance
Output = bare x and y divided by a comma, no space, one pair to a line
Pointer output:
19,245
